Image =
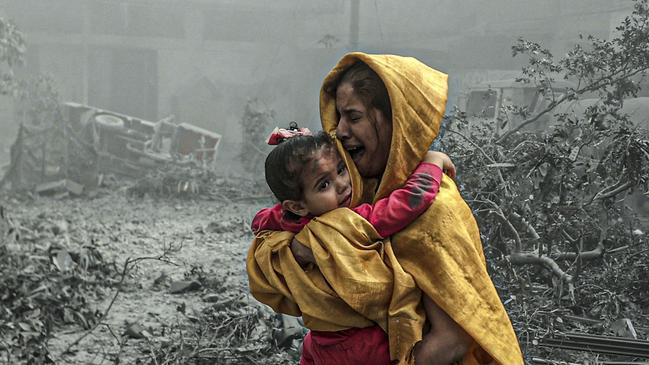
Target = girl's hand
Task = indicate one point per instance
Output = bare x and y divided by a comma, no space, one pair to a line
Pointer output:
303,255
442,160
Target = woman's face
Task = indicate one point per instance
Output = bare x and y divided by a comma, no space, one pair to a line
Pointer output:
365,132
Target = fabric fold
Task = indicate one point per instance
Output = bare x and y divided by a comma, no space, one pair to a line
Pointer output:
360,280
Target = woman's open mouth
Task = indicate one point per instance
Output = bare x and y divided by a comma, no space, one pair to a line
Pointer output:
356,152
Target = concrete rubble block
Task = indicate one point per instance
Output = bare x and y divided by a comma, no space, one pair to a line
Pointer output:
137,331
183,286
624,328
58,187
211,298
190,139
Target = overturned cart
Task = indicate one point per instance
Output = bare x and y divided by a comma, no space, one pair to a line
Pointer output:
88,143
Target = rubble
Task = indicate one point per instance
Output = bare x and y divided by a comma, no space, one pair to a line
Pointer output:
183,286
72,156
59,187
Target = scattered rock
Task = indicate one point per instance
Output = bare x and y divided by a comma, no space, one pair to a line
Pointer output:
183,286
59,188
160,280
135,330
60,227
193,319
63,261
218,227
164,341
624,328
211,298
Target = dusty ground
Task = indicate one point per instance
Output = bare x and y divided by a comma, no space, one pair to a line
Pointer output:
214,236
219,322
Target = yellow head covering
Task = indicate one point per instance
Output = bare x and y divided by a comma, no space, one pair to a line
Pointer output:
418,98
359,279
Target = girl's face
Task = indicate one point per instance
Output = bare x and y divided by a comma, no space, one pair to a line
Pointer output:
326,185
365,132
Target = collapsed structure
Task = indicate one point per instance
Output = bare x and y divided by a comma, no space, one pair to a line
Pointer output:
88,143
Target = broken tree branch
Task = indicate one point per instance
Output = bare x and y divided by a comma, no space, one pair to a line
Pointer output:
491,160
128,265
518,257
530,228
523,258
611,191
604,80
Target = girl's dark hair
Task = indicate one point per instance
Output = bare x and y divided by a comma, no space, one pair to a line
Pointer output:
368,86
285,163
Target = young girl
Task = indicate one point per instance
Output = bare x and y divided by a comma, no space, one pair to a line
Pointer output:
308,177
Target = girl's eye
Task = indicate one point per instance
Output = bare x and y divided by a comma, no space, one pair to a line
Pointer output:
342,169
323,185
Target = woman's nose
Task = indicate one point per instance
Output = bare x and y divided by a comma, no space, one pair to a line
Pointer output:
342,130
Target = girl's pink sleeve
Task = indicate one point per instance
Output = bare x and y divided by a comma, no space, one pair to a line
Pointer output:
402,207
268,219
272,219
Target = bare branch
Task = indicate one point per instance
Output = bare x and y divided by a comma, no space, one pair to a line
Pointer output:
500,175
608,79
611,191
518,245
585,255
129,263
522,258
533,119
530,228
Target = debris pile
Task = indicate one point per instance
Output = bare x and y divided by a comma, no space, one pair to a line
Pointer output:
230,330
47,282
609,312
191,182
74,154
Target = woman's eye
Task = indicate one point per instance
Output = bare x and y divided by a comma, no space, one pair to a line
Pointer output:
355,117
342,169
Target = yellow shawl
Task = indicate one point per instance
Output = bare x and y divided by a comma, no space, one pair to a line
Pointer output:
360,280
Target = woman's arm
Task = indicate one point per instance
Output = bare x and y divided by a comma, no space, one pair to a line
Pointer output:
303,255
277,279
446,343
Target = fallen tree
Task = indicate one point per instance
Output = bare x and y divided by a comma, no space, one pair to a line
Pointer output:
555,195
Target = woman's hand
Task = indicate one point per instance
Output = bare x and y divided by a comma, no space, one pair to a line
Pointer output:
303,255
442,160
446,343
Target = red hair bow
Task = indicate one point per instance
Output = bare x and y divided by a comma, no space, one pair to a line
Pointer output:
279,135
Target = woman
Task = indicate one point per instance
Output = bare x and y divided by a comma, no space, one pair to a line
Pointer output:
383,129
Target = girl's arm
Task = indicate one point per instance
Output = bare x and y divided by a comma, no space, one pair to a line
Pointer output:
404,205
271,219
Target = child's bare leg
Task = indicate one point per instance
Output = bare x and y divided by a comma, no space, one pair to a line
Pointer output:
446,343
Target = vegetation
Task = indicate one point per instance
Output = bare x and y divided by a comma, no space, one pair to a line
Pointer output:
12,49
46,284
257,122
561,238
556,198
